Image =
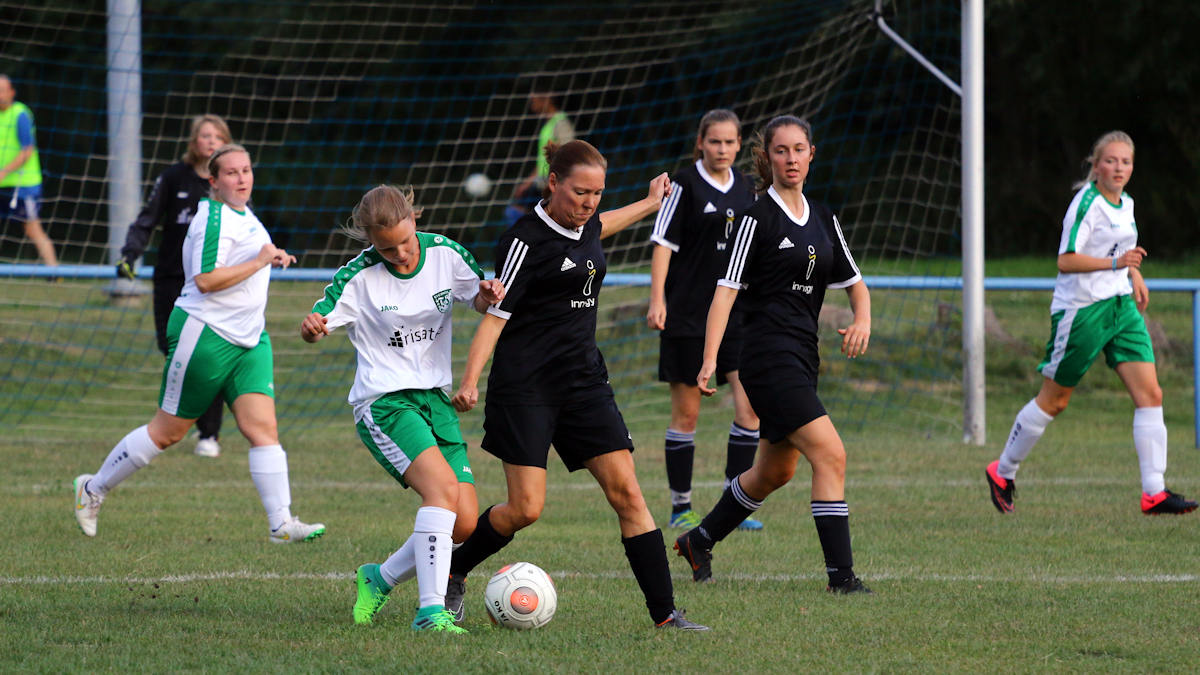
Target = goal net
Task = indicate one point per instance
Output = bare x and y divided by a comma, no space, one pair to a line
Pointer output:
332,98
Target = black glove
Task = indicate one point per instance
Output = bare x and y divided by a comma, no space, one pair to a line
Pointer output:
125,270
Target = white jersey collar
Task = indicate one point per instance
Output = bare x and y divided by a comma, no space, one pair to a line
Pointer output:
569,234
723,187
802,220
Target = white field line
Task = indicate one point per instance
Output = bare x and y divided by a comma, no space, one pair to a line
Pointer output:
914,576
355,486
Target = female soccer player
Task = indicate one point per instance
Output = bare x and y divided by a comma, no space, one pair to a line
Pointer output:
787,252
1097,298
395,299
691,234
218,348
171,205
548,382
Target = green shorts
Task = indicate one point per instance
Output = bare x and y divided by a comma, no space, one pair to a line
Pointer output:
1077,336
202,365
401,425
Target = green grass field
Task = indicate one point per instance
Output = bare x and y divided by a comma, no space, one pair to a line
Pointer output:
181,576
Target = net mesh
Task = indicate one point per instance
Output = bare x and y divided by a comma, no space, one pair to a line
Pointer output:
333,98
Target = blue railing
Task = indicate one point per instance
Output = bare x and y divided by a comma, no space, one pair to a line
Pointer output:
617,279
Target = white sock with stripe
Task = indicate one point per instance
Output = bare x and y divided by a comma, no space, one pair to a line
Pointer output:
401,566
269,471
1150,441
130,454
431,553
1027,429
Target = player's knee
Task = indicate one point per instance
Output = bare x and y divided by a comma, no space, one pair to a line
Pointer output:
684,420
464,525
1151,397
165,438
829,460
626,499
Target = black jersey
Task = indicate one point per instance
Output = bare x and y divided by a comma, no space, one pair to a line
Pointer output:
552,278
697,223
783,266
171,204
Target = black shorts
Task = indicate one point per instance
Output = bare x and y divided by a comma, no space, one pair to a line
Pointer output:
784,399
580,428
679,359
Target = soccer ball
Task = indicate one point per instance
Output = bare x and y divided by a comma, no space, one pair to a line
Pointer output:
521,596
477,185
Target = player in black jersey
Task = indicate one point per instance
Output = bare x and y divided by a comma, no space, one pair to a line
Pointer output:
549,384
171,205
692,232
787,252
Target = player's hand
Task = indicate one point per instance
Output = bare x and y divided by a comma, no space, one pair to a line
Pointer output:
656,316
313,327
282,259
660,187
465,398
125,270
1141,293
1131,258
855,338
706,372
492,291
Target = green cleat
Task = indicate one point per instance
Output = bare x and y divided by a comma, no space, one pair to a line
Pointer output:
436,618
684,520
372,593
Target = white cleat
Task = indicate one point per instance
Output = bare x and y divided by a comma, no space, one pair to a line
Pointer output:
296,532
87,505
208,447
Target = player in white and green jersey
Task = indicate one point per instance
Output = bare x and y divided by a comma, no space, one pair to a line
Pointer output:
395,299
216,348
1096,308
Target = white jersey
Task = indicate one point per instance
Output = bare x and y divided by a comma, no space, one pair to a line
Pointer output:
1093,226
400,323
222,237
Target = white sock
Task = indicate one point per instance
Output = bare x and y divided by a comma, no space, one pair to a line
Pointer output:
400,566
132,453
1027,428
431,553
269,470
1150,441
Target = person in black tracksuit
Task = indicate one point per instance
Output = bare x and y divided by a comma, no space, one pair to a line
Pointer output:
171,205
549,383
787,252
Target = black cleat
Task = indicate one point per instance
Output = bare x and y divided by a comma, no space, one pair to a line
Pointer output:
698,557
1003,489
678,620
849,586
1166,502
456,588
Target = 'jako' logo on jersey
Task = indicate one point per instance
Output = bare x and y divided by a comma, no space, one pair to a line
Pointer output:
442,300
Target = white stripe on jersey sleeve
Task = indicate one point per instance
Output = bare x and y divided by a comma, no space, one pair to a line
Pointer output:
508,272
849,258
741,248
665,215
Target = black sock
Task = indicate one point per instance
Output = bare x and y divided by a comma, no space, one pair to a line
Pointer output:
833,529
680,454
739,454
482,543
732,508
648,559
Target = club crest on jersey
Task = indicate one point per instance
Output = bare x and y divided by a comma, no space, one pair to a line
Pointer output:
442,300
786,243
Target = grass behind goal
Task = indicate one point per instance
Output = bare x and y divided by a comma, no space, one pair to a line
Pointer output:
181,575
